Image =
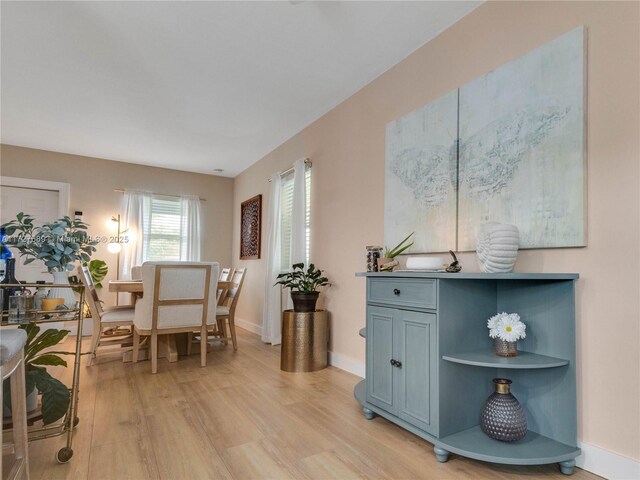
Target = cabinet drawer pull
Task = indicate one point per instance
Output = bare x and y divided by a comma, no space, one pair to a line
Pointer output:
396,291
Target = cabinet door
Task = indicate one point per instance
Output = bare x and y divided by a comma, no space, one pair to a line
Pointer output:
380,373
415,346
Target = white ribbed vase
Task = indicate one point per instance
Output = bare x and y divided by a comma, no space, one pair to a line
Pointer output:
67,294
497,247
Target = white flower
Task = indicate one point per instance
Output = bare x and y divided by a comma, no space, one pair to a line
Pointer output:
507,327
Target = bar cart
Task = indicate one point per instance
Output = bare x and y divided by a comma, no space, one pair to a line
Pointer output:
66,425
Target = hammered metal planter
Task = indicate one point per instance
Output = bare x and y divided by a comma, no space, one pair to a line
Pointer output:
305,339
502,416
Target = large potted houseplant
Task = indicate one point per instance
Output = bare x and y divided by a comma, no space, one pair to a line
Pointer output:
303,284
59,244
55,394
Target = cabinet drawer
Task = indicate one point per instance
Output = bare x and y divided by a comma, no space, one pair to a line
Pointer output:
405,292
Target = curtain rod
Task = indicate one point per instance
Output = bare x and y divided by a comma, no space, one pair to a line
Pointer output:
121,190
307,162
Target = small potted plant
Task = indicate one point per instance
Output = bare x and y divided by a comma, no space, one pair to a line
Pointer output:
303,285
506,329
387,262
55,394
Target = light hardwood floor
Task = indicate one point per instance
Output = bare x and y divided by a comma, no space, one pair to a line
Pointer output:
240,417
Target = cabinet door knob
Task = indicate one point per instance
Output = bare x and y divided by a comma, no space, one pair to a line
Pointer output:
392,362
396,291
398,364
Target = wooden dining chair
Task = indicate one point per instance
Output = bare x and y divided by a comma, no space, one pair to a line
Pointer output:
107,322
226,312
179,297
225,276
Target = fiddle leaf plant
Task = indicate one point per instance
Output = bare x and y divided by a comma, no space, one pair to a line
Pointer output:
300,281
55,394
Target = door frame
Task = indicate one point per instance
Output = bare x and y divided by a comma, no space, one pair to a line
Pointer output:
63,189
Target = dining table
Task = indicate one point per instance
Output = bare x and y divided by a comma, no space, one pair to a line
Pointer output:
168,345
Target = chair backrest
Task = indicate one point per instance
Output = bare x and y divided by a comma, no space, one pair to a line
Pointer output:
234,292
177,295
225,275
91,295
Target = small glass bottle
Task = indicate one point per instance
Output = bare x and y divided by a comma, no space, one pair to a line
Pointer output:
41,293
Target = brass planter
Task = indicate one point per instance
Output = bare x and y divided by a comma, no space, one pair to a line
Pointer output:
305,337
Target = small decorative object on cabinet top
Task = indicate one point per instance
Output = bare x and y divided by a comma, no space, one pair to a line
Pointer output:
506,329
502,416
303,285
373,255
433,264
250,225
453,267
497,247
387,262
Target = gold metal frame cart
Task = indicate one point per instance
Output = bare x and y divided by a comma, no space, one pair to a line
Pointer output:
67,424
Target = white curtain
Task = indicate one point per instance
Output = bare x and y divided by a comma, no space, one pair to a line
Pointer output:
191,239
134,204
299,215
271,316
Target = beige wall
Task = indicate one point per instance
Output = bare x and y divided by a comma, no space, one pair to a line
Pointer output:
93,180
347,149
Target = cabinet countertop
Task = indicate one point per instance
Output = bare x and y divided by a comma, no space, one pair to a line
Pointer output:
470,276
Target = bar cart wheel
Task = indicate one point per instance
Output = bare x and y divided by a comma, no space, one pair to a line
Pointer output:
64,455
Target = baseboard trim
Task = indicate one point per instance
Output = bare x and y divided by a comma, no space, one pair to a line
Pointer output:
607,464
252,327
347,364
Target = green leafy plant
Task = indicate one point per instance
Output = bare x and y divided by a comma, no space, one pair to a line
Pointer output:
299,280
98,270
398,249
59,244
55,394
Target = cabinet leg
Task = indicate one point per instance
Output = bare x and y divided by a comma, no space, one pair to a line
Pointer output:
441,454
368,414
566,467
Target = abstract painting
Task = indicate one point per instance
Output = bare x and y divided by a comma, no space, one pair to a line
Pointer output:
507,147
250,220
522,157
420,188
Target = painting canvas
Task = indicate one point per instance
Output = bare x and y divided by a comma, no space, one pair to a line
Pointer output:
420,177
522,156
250,228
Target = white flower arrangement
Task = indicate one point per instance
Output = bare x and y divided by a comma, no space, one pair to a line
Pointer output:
506,327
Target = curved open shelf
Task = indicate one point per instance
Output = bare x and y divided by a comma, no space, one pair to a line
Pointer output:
533,449
524,360
363,332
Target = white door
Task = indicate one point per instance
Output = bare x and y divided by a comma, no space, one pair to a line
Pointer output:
43,206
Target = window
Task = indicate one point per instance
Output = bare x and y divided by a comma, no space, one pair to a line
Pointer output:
162,229
286,205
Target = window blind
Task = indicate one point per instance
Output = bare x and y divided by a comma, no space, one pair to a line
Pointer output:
286,206
162,229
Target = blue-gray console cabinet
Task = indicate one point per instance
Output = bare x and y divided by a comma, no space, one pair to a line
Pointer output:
430,361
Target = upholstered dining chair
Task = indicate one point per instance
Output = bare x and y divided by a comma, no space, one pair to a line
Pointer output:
179,297
107,322
225,313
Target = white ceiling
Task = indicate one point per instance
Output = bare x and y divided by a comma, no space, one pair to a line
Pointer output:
194,85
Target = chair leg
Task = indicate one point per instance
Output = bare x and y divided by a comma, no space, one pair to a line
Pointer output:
19,417
95,340
222,330
232,329
203,346
154,352
136,346
189,342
